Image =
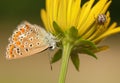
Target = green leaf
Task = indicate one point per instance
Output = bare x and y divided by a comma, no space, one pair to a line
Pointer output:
75,61
89,52
86,43
57,56
58,29
73,33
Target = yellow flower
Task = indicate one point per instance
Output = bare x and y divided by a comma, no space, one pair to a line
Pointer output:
67,13
81,26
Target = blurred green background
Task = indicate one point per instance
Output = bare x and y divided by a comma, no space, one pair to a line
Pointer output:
36,69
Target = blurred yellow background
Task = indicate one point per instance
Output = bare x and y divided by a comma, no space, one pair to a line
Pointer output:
36,69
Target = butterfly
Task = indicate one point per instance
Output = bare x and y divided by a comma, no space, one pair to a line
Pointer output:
29,39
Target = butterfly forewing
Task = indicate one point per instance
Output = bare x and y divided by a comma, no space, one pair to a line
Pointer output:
26,40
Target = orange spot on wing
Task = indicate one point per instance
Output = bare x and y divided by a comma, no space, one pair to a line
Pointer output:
27,26
18,43
11,49
15,38
18,33
22,46
10,52
22,30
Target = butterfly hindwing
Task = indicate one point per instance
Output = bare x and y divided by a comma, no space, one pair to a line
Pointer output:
26,40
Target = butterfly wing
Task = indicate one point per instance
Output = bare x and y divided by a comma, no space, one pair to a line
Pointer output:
26,40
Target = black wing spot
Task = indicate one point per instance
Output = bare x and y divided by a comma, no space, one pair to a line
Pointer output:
31,45
26,50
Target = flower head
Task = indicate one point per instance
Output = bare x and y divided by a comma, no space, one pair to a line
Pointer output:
68,13
88,22
82,27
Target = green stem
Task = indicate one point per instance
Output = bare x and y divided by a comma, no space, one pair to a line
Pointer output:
65,59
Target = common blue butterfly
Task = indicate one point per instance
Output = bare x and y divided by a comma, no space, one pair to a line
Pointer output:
28,40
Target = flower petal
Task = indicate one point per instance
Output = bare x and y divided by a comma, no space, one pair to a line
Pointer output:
49,11
75,12
92,15
70,3
106,7
55,9
62,14
85,14
107,33
112,26
45,19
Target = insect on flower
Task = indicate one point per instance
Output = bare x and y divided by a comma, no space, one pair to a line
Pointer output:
101,19
27,40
